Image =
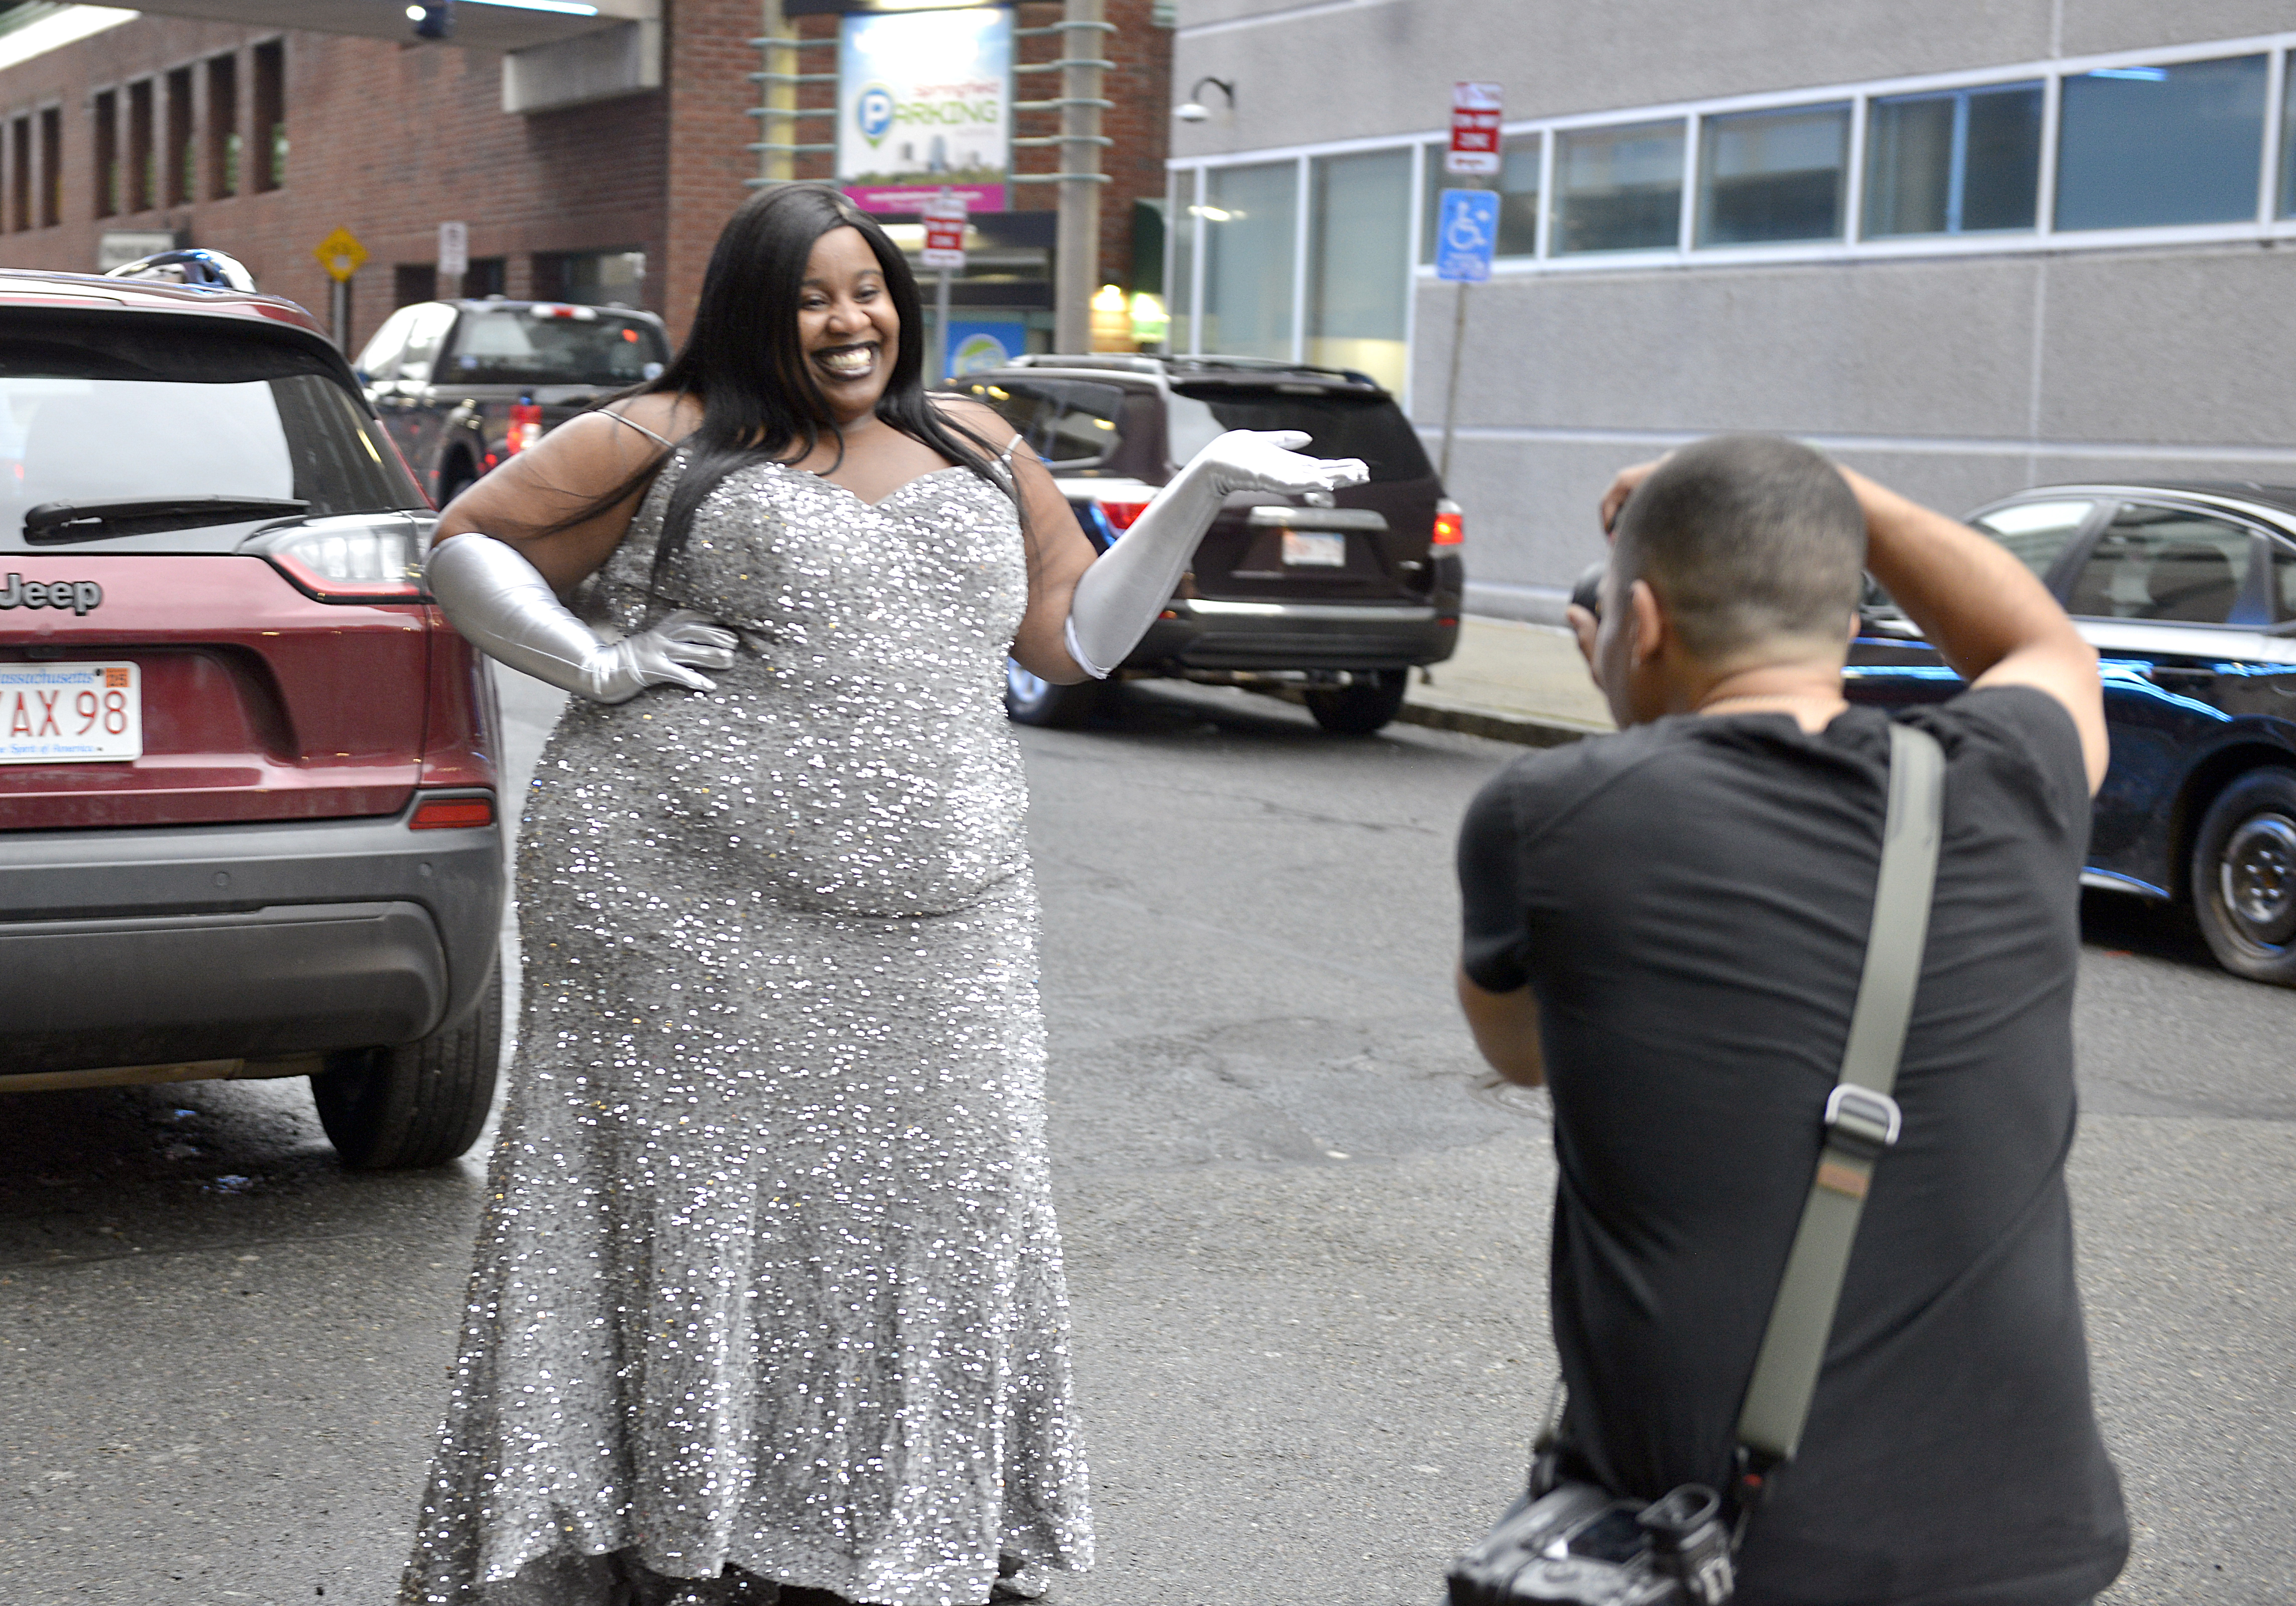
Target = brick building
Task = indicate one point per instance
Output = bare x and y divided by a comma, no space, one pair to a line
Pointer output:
203,125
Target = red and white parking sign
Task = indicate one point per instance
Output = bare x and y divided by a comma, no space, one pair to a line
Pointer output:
944,221
1474,129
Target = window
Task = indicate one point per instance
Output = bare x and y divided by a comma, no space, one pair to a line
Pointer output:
567,344
2140,147
270,115
1248,237
19,174
591,278
1618,189
51,167
413,281
1360,214
143,164
1772,176
181,160
1518,188
2164,564
379,361
223,128
2037,533
1071,425
2283,581
107,153
1343,424
426,329
1185,228
1952,163
485,276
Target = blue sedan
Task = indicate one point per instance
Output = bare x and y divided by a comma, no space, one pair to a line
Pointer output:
2188,590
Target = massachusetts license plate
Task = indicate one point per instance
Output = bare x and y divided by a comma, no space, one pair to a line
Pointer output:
70,713
1314,549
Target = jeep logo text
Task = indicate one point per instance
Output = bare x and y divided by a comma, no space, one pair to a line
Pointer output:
78,595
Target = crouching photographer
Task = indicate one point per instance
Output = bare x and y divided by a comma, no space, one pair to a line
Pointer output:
1801,980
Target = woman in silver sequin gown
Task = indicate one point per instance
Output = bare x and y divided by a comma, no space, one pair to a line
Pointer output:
767,1284
768,1302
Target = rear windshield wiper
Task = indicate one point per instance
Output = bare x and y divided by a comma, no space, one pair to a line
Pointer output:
57,523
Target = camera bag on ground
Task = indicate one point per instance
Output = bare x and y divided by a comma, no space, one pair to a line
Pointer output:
1569,1542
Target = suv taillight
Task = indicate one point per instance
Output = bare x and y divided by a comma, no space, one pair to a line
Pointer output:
360,564
1450,523
451,814
525,424
1120,514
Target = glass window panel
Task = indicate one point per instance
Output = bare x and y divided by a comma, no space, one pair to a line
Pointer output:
1182,278
1618,189
2163,563
2035,533
2001,187
1250,233
1517,183
2283,581
1772,176
1954,162
2142,147
1358,276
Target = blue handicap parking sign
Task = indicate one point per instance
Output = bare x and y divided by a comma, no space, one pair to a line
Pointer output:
1467,233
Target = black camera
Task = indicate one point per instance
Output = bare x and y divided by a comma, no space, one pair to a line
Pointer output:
1578,1544
1588,593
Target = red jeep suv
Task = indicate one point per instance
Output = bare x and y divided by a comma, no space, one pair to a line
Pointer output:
247,769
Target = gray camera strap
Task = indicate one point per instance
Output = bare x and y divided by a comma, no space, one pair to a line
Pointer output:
1861,1117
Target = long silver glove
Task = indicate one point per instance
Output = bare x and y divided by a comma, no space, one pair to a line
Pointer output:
1127,586
503,606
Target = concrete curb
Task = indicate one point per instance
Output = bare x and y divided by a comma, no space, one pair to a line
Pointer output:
1521,729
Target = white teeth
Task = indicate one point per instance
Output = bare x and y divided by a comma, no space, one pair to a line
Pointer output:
858,361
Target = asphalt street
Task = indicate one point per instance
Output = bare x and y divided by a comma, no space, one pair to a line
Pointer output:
1307,1243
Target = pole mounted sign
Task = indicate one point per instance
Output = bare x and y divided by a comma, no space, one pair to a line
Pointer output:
341,254
1474,129
454,249
1466,234
944,221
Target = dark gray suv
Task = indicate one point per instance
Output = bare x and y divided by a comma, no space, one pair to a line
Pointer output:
1340,601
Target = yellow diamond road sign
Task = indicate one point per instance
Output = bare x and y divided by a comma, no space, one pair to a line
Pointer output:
340,253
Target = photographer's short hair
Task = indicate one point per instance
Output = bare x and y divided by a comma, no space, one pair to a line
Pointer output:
1746,539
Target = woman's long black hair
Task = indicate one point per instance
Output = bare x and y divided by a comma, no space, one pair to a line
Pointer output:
743,361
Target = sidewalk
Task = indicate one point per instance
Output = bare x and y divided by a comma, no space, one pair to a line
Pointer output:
1514,681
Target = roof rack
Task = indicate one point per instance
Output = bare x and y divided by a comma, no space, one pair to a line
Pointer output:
1132,364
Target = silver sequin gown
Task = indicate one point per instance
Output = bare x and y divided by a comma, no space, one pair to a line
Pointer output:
768,1278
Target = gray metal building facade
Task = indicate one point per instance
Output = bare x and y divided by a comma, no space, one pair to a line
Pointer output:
1966,246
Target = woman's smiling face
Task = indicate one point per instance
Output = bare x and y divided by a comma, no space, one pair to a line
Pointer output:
846,325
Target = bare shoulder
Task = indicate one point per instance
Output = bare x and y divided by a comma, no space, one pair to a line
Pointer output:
673,415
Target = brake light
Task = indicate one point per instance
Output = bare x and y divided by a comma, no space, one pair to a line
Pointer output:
364,563
1450,523
1120,514
452,814
525,424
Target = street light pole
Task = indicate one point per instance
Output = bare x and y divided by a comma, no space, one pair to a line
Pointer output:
1077,253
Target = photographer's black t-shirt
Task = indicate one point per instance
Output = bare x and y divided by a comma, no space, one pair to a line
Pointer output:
1689,901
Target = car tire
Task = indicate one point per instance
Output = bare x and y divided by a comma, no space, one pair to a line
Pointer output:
2243,876
1031,701
415,1104
1363,706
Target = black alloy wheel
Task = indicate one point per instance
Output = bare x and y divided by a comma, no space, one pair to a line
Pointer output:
1030,700
2243,876
415,1104
1364,705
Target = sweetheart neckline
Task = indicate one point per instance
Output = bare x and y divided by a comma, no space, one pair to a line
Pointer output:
954,468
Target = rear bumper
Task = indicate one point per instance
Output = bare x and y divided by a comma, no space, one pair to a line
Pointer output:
153,946
1213,634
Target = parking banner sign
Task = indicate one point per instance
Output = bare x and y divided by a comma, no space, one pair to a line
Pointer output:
1466,234
1474,129
924,103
